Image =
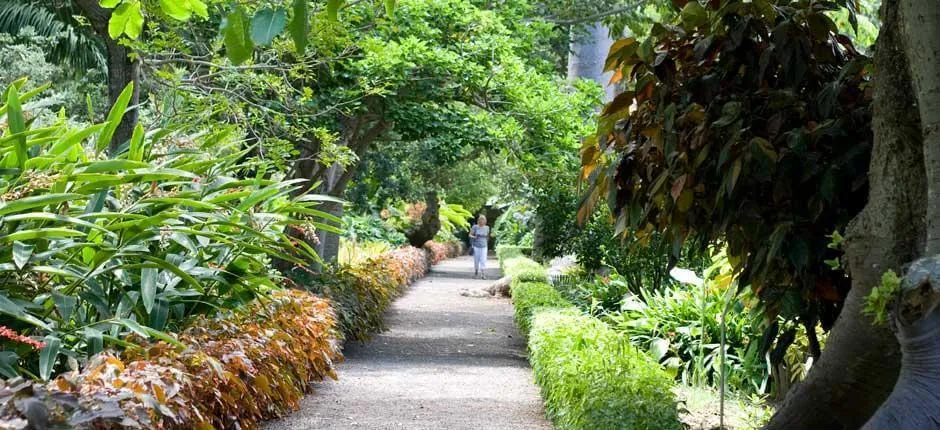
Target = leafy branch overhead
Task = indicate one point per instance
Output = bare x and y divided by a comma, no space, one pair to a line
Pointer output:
240,33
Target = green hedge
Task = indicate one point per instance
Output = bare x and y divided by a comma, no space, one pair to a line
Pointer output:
517,265
529,297
592,378
590,375
507,252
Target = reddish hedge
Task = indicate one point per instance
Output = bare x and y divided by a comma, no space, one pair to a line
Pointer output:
239,369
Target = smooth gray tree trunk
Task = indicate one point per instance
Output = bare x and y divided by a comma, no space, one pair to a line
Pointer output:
586,57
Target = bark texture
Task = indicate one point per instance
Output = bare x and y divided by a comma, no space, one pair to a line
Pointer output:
922,41
914,403
586,57
122,70
430,223
861,362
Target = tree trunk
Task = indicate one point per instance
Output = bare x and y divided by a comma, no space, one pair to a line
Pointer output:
921,30
122,70
914,403
586,57
430,223
861,361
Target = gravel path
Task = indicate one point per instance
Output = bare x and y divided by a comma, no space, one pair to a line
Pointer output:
446,362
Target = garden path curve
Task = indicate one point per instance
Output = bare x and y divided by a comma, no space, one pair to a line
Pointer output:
445,362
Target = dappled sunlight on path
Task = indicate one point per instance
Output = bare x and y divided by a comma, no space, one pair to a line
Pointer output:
445,362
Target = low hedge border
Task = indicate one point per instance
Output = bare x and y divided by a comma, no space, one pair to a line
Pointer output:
590,376
362,293
240,368
233,370
506,252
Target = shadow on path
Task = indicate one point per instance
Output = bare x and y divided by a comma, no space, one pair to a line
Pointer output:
445,362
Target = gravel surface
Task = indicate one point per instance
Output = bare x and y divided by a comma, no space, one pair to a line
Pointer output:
446,362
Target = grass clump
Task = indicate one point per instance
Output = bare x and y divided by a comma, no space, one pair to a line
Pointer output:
515,266
592,378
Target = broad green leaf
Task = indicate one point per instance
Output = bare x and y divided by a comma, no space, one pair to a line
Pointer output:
299,26
21,254
8,361
332,9
390,8
235,36
267,24
115,116
65,305
75,138
136,152
12,309
47,357
693,14
159,315
148,287
179,10
94,342
17,123
35,202
109,4
111,166
46,216
127,19
135,327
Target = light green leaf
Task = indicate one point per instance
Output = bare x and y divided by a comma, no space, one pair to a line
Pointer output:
179,10
135,327
109,4
42,233
114,118
17,123
136,151
47,357
35,202
235,36
390,8
267,24
332,9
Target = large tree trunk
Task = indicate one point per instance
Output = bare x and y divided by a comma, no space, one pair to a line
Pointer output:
914,404
122,70
915,401
861,361
587,54
430,223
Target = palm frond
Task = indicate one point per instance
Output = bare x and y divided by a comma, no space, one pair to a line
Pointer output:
73,45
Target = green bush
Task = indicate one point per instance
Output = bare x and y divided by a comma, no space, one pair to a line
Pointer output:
514,266
528,297
371,228
507,252
513,226
592,378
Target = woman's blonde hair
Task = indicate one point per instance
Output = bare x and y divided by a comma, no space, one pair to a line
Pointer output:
483,217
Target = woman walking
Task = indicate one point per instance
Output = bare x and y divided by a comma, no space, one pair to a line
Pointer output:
479,236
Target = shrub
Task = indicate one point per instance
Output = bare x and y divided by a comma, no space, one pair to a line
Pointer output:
513,226
592,378
529,297
95,248
514,266
506,252
371,228
240,368
362,293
